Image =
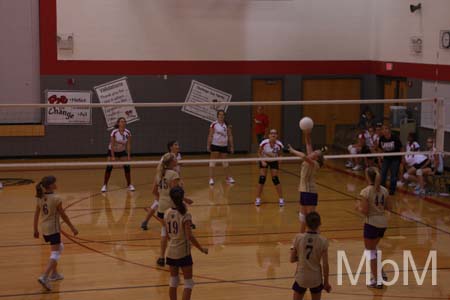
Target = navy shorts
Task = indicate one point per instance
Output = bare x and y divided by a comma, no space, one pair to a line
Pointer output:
180,262
309,199
117,154
53,239
270,164
221,149
302,290
371,232
160,215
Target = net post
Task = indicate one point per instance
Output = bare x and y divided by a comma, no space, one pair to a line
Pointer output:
440,124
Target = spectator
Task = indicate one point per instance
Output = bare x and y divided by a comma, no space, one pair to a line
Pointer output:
415,164
367,119
360,147
261,121
389,144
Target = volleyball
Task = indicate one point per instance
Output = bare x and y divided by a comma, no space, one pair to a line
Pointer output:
306,123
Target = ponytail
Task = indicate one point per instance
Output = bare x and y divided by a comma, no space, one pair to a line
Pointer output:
177,196
373,175
44,184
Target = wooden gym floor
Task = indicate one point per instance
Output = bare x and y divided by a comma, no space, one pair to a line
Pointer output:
112,258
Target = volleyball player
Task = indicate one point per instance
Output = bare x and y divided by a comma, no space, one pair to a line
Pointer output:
119,147
310,251
373,203
178,222
167,178
270,147
220,142
172,147
312,161
49,209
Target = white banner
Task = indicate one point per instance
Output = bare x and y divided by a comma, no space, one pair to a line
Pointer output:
58,115
116,91
200,92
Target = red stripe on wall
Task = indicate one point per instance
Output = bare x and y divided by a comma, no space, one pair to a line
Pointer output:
51,66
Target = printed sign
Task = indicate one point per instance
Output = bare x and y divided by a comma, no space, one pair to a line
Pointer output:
62,115
200,92
116,91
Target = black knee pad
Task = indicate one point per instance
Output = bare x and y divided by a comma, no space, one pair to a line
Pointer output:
109,169
262,179
275,180
127,168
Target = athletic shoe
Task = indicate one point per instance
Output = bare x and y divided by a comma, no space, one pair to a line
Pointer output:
230,180
211,181
131,188
412,184
349,164
56,277
258,202
281,202
374,285
45,283
104,188
357,168
161,262
1,185
419,192
400,183
144,225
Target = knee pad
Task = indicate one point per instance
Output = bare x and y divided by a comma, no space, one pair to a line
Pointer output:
262,179
174,281
109,169
54,255
188,283
127,168
155,204
61,247
406,176
301,217
419,172
163,231
275,180
371,254
225,164
212,164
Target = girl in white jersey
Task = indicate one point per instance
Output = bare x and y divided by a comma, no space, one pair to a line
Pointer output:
119,147
372,204
49,210
270,147
220,142
178,222
312,161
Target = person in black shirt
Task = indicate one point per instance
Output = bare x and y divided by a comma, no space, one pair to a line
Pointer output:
390,143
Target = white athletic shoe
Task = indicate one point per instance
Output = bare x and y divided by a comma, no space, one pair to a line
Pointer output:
357,168
45,283
230,180
1,185
211,181
400,183
131,188
104,188
349,164
281,202
56,277
258,202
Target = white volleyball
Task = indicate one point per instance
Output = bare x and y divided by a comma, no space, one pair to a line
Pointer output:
306,123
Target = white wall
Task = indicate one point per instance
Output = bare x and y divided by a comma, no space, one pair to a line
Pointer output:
19,59
216,29
395,24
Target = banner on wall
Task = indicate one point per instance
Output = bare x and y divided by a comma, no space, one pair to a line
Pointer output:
116,91
200,92
61,115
